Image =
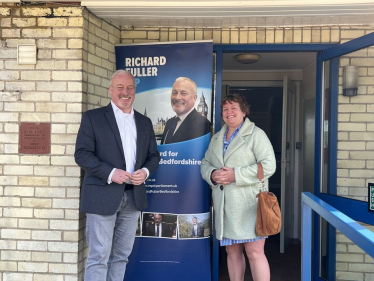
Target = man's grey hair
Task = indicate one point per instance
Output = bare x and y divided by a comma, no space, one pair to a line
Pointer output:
194,86
121,71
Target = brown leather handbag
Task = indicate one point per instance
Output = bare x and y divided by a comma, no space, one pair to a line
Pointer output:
269,219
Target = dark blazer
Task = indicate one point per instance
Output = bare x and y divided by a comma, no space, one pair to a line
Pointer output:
200,230
195,125
99,149
150,230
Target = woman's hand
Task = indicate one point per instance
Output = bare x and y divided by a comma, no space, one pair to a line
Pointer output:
224,175
260,172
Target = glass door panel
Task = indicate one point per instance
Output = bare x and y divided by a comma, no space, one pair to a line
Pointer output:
353,166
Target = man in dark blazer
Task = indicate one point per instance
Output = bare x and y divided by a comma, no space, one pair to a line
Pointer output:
197,229
117,149
188,123
157,228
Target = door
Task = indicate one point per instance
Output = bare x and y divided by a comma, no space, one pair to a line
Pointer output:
288,163
219,49
338,179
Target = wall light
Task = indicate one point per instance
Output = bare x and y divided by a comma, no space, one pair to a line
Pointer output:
26,54
247,58
350,80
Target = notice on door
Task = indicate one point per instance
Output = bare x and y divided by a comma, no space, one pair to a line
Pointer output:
371,196
35,138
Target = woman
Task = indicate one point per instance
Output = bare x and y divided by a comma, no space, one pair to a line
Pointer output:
238,157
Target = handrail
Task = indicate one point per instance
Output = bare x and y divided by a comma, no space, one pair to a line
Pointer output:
360,235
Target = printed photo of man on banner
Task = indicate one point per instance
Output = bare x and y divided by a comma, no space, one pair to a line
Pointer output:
173,89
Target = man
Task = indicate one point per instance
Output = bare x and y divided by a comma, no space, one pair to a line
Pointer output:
117,149
188,123
197,229
157,228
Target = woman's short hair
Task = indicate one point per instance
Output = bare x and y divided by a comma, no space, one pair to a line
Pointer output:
244,106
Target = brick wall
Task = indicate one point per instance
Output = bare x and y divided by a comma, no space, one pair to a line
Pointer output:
233,35
99,39
98,59
42,232
41,229
39,217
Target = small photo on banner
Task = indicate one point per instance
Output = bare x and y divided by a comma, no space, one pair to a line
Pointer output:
194,226
159,225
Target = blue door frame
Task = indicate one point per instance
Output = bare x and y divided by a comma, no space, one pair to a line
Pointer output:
357,210
333,132
245,48
219,50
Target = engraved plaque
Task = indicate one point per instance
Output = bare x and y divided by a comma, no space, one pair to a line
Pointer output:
35,138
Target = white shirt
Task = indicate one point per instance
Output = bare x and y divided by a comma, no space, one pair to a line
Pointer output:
179,123
127,130
182,117
195,229
160,230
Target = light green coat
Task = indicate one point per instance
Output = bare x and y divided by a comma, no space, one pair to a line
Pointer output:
236,205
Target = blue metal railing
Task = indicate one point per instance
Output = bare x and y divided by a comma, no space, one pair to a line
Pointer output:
360,235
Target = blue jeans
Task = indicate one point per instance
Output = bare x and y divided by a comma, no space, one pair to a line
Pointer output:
110,240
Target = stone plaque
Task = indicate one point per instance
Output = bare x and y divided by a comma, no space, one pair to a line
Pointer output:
35,138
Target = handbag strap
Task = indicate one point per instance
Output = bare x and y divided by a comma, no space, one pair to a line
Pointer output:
262,186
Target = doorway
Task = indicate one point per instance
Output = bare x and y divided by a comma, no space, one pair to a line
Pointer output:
263,89
266,105
276,87
323,87
266,111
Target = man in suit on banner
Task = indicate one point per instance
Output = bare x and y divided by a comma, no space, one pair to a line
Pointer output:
197,229
157,228
188,123
117,149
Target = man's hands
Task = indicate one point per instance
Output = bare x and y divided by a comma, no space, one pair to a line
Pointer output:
120,176
138,177
224,175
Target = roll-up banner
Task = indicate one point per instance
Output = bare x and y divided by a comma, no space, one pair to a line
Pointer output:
173,80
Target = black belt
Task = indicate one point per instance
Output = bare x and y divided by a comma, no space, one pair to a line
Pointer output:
129,186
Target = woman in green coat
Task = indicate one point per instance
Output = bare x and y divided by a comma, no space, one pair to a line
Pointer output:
238,157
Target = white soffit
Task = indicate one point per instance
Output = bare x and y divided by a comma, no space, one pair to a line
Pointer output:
232,13
229,13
